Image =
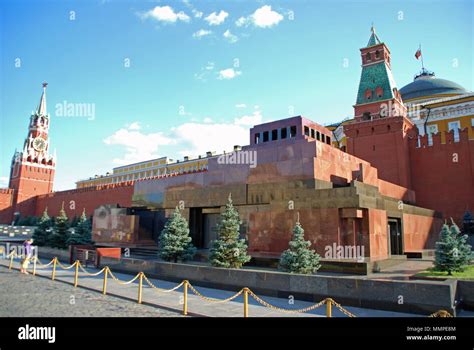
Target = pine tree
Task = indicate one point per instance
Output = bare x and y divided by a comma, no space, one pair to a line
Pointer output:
174,242
41,233
299,258
60,230
452,252
463,252
229,250
81,234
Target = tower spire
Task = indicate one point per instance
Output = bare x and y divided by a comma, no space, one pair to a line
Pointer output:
41,110
374,39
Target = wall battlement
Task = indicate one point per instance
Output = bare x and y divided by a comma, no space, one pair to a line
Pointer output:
421,143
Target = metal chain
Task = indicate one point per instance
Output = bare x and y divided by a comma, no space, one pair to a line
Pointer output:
41,264
121,282
344,311
63,267
161,289
213,300
266,304
91,274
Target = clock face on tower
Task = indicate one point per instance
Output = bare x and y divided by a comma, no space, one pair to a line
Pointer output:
39,144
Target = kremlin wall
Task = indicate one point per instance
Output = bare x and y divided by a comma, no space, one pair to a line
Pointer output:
385,186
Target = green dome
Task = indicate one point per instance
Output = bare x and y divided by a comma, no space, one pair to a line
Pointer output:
426,84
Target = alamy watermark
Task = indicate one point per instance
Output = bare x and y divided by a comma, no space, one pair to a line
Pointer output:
239,157
352,252
75,110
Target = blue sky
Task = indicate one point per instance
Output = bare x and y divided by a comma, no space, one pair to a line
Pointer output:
180,78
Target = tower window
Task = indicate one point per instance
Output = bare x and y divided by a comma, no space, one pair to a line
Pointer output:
306,131
377,54
366,116
318,135
379,91
283,133
313,132
293,131
368,94
257,138
265,136
368,56
274,135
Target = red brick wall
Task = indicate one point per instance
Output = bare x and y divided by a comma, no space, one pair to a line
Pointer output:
89,198
443,174
383,143
6,200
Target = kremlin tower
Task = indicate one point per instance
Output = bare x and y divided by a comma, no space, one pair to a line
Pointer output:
381,129
32,169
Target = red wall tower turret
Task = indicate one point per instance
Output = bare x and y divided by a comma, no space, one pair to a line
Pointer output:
380,131
32,169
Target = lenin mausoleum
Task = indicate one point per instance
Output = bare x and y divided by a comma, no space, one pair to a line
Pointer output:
384,180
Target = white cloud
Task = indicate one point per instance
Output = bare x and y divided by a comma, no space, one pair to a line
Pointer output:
3,181
197,138
249,120
201,33
240,105
139,146
166,14
263,17
228,73
134,126
204,72
197,14
215,19
241,21
207,120
230,37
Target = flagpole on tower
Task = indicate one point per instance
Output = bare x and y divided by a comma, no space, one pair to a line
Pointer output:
422,63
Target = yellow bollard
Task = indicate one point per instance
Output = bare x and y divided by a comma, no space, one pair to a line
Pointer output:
185,297
104,286
140,286
53,274
328,307
34,265
246,302
11,261
76,274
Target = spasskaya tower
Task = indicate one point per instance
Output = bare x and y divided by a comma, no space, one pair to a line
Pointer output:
32,169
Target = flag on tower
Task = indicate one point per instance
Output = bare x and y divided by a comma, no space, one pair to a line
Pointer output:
418,53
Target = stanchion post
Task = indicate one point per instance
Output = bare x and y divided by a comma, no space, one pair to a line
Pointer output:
34,265
246,302
76,273
140,286
328,307
104,286
185,297
11,261
53,273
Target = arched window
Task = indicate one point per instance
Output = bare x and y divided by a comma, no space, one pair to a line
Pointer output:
379,91
368,57
377,54
366,116
368,94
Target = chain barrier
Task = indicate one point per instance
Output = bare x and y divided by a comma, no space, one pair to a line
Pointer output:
64,267
273,307
161,290
246,291
214,300
122,282
38,261
89,273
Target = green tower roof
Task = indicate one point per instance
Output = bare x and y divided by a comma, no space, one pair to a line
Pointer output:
374,39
